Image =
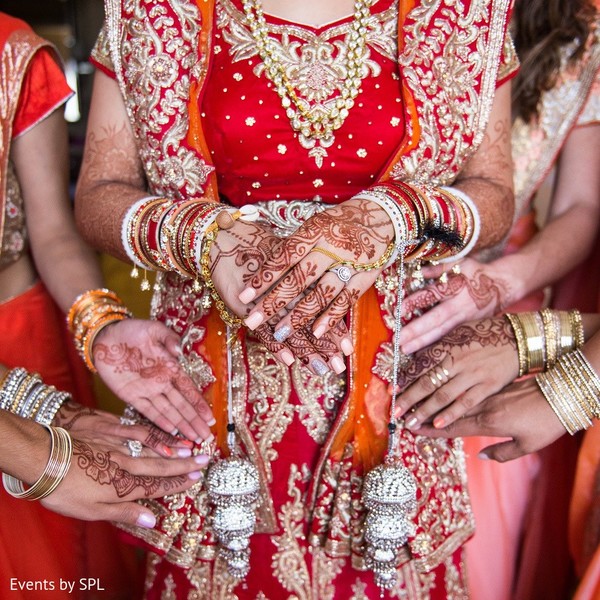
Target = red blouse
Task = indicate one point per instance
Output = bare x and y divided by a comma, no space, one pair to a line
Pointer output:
257,154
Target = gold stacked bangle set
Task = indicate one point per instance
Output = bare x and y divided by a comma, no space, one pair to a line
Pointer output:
61,451
548,345
91,312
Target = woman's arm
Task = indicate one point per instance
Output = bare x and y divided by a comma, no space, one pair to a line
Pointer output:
111,177
481,290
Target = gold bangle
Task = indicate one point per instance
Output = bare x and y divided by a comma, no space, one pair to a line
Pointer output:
577,328
226,315
533,330
57,467
520,339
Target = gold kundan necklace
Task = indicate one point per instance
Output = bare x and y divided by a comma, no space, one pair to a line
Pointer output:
313,122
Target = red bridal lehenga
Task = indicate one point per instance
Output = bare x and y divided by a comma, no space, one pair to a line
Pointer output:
208,118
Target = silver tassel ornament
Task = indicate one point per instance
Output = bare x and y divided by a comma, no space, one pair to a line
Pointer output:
233,489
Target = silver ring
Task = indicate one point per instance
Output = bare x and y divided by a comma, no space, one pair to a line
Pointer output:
344,273
135,448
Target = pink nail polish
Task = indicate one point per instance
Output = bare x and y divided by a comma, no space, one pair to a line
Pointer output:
254,320
247,295
195,475
147,520
287,357
319,331
184,452
347,347
338,364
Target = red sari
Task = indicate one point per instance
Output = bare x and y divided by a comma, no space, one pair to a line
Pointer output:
36,545
311,438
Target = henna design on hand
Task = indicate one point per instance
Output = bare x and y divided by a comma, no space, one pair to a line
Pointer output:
130,359
69,413
341,304
99,467
482,289
157,437
313,303
287,291
487,332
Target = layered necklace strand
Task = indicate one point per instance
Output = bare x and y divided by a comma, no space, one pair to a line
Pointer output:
312,125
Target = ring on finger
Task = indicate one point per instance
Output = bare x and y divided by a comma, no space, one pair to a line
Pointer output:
343,273
135,448
439,376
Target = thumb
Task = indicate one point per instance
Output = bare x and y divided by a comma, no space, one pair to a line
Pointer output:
501,452
130,513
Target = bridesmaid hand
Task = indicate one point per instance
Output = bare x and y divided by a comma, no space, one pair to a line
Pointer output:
519,412
94,425
471,291
457,373
138,361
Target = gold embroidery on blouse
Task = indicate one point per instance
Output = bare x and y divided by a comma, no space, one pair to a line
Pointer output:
453,106
315,65
154,60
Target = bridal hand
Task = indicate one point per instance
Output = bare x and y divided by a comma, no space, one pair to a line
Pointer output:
236,255
138,361
298,275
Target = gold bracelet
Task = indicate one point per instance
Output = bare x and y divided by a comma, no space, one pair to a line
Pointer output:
577,328
226,315
339,261
520,338
549,321
57,467
533,329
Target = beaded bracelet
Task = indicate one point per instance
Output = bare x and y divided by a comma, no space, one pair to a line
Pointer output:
57,467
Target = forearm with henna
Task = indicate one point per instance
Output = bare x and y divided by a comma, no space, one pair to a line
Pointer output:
487,179
102,200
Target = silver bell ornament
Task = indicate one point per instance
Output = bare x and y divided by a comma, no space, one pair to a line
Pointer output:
389,494
233,489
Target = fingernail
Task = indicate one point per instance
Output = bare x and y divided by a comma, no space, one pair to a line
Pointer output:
287,357
254,320
201,459
319,366
412,422
282,333
147,520
195,475
338,364
247,295
319,331
483,456
186,443
439,423
347,347
209,439
212,422
166,450
184,452
407,348
179,350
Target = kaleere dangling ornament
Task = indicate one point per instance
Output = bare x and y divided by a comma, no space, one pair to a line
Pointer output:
233,489
389,491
